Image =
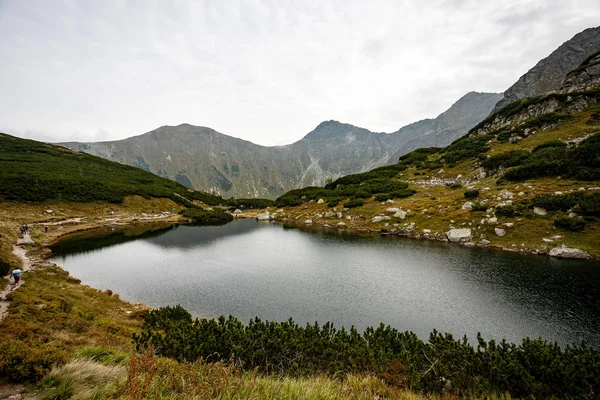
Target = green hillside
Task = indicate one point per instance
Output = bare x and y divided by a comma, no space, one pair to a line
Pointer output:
32,171
525,179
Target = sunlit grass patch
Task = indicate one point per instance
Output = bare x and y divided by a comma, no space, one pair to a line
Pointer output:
82,379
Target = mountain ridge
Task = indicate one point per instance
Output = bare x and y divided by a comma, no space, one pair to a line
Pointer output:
205,159
549,73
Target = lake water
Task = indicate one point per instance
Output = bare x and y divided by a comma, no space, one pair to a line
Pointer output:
249,269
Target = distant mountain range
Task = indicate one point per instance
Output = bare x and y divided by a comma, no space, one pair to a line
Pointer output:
204,159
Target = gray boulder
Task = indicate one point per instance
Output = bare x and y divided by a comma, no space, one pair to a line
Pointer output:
459,235
567,252
400,214
264,216
499,232
539,211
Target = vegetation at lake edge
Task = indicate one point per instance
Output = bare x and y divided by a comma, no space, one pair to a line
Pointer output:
353,189
535,368
198,215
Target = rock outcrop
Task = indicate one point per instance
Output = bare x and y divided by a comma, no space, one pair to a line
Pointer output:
550,73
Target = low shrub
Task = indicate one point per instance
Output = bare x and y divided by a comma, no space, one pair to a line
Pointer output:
352,203
533,369
506,211
199,215
479,207
508,159
4,267
571,224
471,194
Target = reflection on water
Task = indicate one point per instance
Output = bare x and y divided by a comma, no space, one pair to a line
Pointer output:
248,269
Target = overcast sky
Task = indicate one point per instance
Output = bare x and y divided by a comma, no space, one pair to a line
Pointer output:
265,71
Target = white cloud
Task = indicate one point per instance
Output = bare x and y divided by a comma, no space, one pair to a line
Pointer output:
266,71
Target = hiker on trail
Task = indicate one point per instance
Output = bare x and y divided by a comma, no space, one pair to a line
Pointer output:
17,275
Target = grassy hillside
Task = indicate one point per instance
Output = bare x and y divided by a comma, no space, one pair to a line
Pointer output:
37,172
541,153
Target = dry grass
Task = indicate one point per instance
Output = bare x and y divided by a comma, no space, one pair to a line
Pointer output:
82,379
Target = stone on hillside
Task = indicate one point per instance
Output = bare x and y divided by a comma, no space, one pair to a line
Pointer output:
48,211
379,218
426,230
539,211
389,201
572,215
308,222
340,224
505,195
467,206
279,211
558,193
400,214
459,235
264,216
320,201
484,242
392,210
567,252
237,211
329,214
339,215
499,232
509,224
492,220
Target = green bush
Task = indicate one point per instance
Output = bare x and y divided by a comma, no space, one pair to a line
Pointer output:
583,203
571,224
4,267
508,159
506,211
552,143
533,369
333,201
471,194
352,203
21,362
479,207
466,147
554,158
199,215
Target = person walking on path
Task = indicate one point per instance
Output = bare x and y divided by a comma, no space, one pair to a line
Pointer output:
16,274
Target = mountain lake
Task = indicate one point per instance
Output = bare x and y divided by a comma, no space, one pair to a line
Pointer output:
271,271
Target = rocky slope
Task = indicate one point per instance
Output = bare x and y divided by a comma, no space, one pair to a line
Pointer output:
549,73
202,158
526,179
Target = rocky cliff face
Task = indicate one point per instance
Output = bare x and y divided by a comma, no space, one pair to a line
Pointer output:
204,159
549,74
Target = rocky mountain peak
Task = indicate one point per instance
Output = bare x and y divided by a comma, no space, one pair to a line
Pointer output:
549,74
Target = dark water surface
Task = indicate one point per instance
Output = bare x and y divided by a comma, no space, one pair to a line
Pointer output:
247,269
